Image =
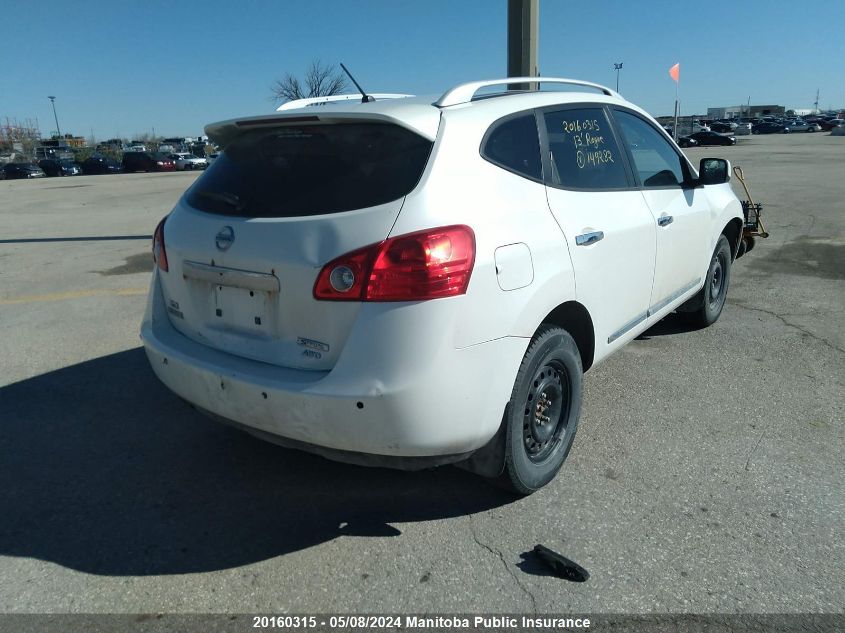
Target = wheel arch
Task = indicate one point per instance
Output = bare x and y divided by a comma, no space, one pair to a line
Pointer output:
733,232
575,319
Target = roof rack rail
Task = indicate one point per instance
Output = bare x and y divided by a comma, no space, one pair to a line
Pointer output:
463,93
318,101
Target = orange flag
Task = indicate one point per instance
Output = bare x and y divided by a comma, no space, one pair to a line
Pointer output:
675,72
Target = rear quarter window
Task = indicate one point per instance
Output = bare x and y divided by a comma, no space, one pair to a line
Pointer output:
311,170
514,144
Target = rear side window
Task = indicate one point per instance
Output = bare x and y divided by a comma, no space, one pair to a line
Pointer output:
515,145
583,153
311,170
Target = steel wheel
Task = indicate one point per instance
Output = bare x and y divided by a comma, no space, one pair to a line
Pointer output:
717,286
705,308
546,411
542,416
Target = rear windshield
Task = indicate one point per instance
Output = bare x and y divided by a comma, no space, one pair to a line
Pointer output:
311,170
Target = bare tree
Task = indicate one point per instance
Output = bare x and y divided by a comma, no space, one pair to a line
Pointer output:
320,81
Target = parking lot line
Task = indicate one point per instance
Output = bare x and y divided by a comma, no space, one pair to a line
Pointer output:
73,294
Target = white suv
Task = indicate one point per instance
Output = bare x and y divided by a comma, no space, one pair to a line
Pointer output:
413,282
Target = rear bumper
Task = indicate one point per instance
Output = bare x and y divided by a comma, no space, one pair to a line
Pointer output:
407,398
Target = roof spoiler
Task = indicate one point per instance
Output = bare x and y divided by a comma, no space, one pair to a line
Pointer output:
320,101
224,132
463,93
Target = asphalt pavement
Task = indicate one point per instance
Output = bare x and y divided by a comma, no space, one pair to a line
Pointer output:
707,474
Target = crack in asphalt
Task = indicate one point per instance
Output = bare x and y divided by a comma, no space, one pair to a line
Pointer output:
751,452
792,325
501,557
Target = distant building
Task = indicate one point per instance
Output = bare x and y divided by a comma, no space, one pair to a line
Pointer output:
67,140
735,112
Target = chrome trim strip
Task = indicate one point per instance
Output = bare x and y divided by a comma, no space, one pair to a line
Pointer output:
230,277
657,307
630,324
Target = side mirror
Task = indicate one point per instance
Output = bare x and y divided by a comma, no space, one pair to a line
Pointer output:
714,171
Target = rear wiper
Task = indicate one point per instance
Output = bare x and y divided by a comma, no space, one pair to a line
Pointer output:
228,198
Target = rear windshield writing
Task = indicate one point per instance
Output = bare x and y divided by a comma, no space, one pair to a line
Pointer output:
311,170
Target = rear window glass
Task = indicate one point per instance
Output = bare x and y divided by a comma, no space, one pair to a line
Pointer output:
311,170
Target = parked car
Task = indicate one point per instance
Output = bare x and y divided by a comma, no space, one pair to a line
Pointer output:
16,171
52,167
768,127
839,130
411,283
712,138
722,127
829,124
99,164
147,161
687,141
185,160
804,126
212,157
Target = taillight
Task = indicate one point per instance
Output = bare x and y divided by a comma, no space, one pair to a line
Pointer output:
424,265
159,252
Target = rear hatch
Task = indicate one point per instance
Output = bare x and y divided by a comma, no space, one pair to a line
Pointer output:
246,242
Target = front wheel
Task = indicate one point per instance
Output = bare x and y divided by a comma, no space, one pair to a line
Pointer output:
542,415
711,299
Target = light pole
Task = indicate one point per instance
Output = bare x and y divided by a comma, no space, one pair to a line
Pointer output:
53,102
617,68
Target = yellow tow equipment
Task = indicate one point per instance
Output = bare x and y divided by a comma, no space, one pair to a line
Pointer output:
752,211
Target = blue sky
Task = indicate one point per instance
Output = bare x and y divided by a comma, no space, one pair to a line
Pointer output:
122,68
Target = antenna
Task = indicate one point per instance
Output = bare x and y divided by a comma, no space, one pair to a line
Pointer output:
364,96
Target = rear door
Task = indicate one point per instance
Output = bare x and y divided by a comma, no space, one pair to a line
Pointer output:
680,212
248,239
608,227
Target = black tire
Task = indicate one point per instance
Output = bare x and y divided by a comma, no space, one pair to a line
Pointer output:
711,300
542,416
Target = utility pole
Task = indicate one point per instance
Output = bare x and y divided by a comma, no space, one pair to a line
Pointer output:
617,67
58,131
817,102
523,41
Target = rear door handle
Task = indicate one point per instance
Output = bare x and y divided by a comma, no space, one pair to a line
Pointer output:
589,238
665,220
